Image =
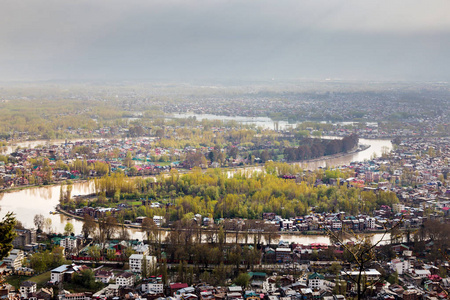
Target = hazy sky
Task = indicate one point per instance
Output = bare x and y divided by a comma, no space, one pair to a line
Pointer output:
215,39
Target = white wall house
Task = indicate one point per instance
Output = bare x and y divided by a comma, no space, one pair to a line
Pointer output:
69,243
136,262
153,287
26,288
14,259
125,279
400,265
316,281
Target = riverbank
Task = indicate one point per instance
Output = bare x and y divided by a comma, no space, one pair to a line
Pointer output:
183,171
25,187
227,232
27,201
337,155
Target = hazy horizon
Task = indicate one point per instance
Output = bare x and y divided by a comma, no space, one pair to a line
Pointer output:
224,40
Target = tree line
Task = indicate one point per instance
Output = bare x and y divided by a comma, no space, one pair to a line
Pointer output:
215,194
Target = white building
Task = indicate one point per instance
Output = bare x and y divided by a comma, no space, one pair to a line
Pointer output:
26,288
69,243
370,274
286,224
400,265
158,220
57,274
153,287
14,259
104,276
369,223
125,279
421,273
316,281
336,224
136,262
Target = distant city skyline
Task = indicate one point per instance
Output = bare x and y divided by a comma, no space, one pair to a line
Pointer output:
224,40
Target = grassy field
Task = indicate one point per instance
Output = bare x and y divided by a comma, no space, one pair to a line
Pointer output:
16,280
41,279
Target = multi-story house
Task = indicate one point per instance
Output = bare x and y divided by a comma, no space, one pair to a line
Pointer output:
24,237
125,279
69,243
26,288
137,262
154,287
316,281
14,259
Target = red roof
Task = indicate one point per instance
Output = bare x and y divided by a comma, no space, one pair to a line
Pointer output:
175,286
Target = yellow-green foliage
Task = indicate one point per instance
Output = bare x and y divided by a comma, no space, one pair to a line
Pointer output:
215,194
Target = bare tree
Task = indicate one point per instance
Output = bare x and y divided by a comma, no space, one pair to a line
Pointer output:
361,253
39,221
107,227
89,226
48,225
148,227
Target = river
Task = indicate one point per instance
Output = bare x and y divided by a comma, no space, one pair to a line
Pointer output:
28,202
264,122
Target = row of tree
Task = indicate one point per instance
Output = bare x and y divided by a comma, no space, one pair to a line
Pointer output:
313,148
216,195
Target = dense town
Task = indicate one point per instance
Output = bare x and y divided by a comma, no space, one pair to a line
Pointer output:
381,110
246,258
224,150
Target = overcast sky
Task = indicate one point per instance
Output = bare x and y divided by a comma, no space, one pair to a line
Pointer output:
215,39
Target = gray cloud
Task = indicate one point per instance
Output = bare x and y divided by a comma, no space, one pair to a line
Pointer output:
199,39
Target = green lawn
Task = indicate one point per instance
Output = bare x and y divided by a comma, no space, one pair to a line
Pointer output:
16,280
41,279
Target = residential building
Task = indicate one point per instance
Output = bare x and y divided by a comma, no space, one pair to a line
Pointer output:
336,224
24,237
136,262
104,276
64,272
26,288
174,287
421,273
369,223
316,281
283,254
14,259
398,207
142,249
125,279
69,243
75,296
158,220
154,287
401,266
370,274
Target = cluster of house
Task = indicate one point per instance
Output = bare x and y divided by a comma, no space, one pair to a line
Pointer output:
322,221
416,171
372,130
416,279
98,212
101,150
